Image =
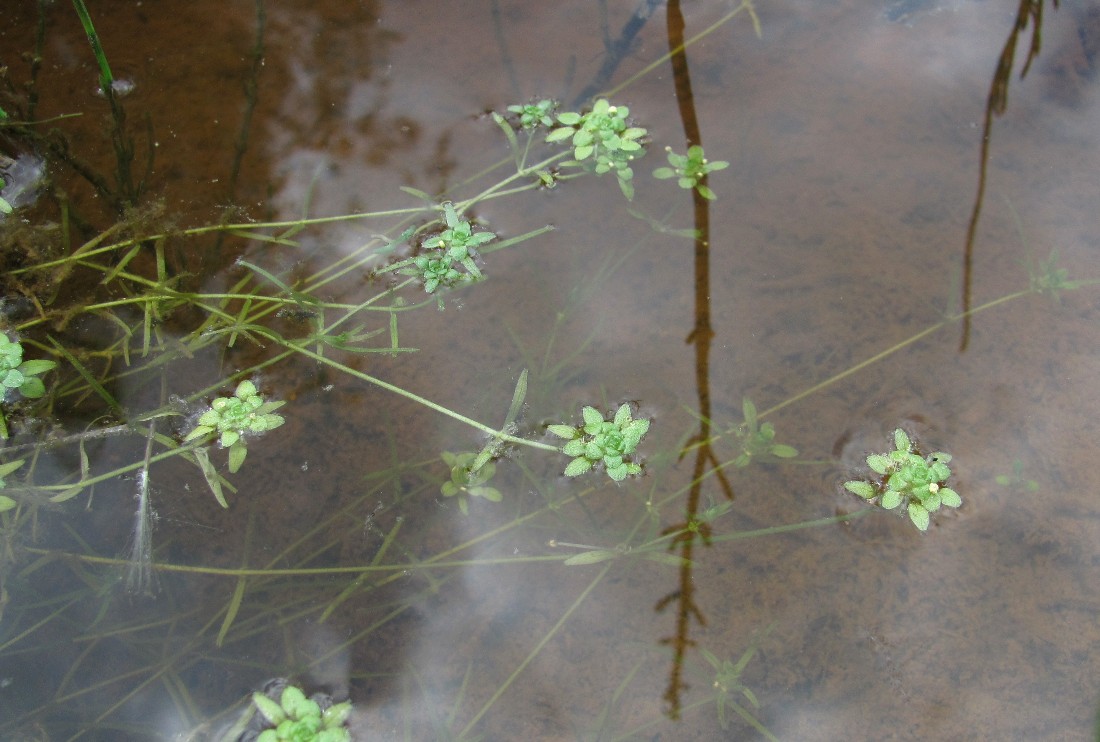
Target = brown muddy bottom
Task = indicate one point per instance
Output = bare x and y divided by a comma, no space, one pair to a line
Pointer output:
852,130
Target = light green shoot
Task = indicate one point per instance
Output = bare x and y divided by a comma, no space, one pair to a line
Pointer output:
690,169
610,442
603,141
232,418
758,441
909,479
19,375
466,484
295,718
533,115
6,503
5,207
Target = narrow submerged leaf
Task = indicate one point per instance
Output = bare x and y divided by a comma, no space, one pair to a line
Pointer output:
509,135
669,559
9,467
590,557
90,379
67,494
231,611
417,193
213,481
517,399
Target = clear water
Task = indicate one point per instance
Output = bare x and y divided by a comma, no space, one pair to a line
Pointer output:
853,136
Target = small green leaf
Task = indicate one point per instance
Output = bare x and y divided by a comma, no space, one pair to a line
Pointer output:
269,709
891,499
783,451
901,440
577,467
950,498
237,453
35,368
591,416
879,464
337,715
575,447
563,431
618,473
6,503
199,432
918,515
863,489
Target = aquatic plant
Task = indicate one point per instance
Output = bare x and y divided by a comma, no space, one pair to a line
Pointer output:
295,718
728,685
908,479
758,440
609,442
443,254
245,413
533,115
311,326
6,503
1016,480
691,169
5,207
465,482
19,375
602,140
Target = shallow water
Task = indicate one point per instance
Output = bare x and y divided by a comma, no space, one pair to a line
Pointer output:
853,134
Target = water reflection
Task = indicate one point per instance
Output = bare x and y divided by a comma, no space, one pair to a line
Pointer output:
823,286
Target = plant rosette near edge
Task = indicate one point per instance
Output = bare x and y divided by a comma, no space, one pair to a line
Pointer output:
234,417
17,374
602,441
909,479
299,719
690,169
603,137
6,503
